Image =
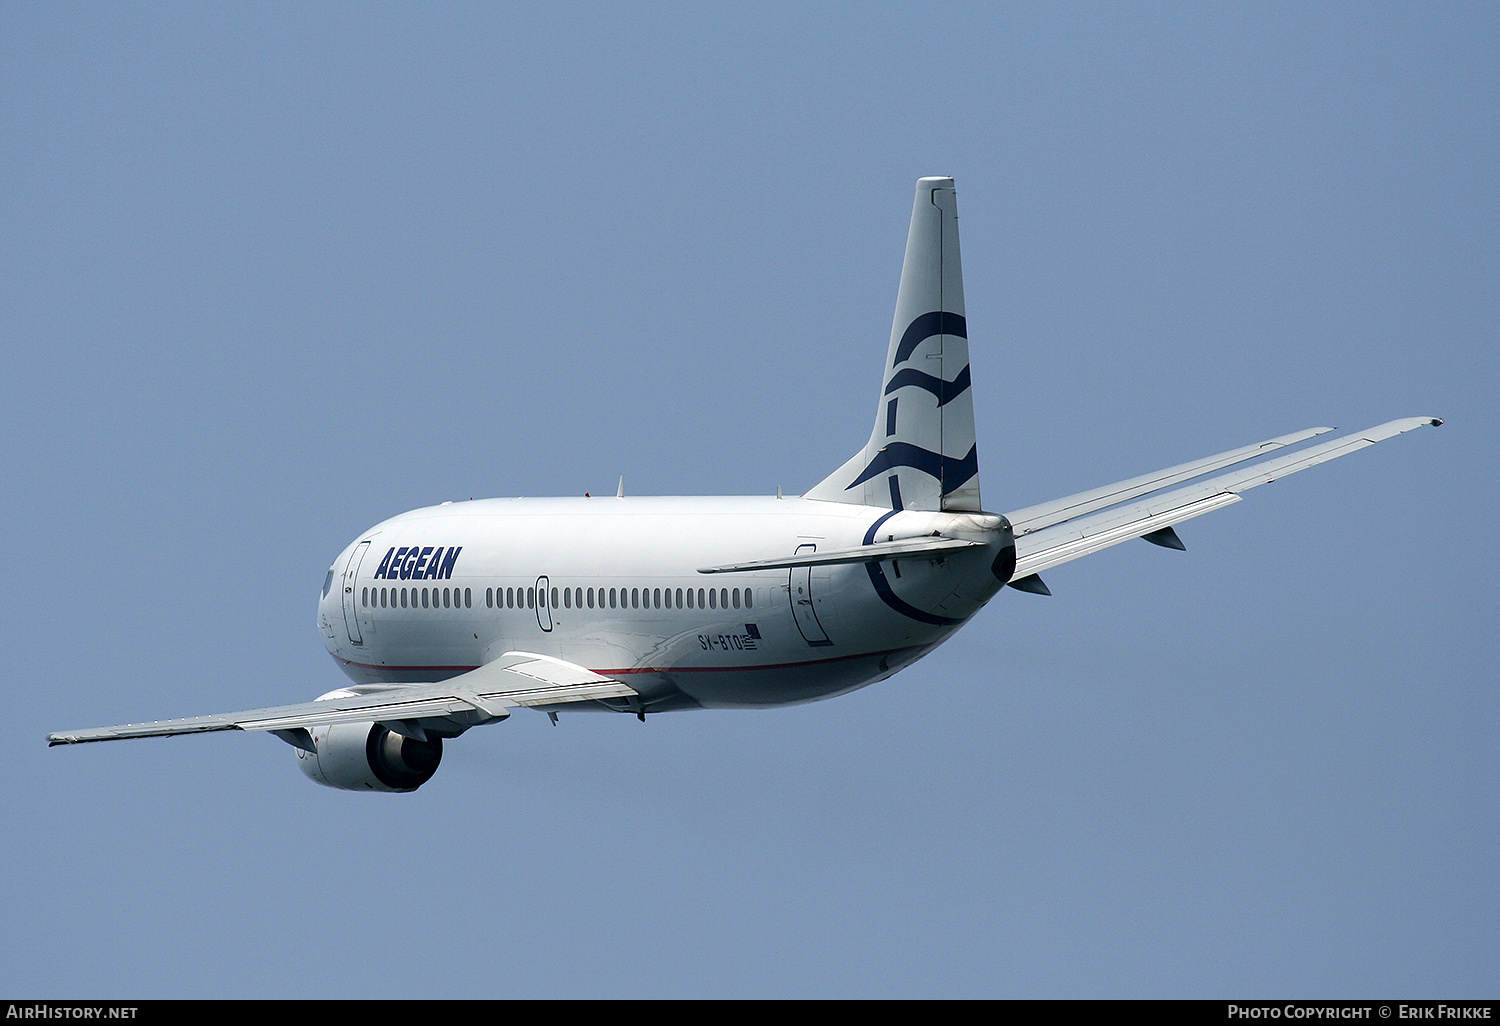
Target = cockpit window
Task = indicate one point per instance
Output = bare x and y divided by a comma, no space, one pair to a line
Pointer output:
328,582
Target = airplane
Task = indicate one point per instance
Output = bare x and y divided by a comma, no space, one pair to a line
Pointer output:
451,616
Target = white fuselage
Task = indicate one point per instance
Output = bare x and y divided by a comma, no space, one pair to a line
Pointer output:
612,584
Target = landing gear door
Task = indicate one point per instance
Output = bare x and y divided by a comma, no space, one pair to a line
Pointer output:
801,593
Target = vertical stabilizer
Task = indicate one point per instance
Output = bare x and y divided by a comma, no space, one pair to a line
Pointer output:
921,453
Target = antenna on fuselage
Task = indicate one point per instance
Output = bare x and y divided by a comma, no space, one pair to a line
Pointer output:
620,492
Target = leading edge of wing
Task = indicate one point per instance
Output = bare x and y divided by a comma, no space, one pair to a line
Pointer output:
515,679
1063,541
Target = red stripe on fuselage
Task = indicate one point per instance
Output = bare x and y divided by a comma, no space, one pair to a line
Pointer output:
655,669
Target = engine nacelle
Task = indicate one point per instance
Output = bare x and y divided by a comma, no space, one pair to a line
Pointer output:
368,757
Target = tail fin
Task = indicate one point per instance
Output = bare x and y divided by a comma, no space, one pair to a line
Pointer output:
921,453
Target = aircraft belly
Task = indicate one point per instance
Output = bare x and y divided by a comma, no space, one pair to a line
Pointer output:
768,686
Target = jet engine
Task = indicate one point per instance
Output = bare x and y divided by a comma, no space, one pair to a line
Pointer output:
369,757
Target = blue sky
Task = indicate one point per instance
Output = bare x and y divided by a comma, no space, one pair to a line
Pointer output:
272,273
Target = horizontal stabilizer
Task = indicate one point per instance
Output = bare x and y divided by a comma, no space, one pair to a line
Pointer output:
932,545
486,693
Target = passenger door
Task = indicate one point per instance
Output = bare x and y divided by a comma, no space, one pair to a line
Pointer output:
351,597
801,594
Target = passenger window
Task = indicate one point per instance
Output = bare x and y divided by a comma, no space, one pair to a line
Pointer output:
736,597
748,598
468,599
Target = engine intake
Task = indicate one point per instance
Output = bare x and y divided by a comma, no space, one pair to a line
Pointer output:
368,757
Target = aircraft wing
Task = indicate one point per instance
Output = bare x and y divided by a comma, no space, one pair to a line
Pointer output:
1034,518
484,694
1060,531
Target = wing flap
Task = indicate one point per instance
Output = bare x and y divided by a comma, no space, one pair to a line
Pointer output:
1062,542
515,679
1054,546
